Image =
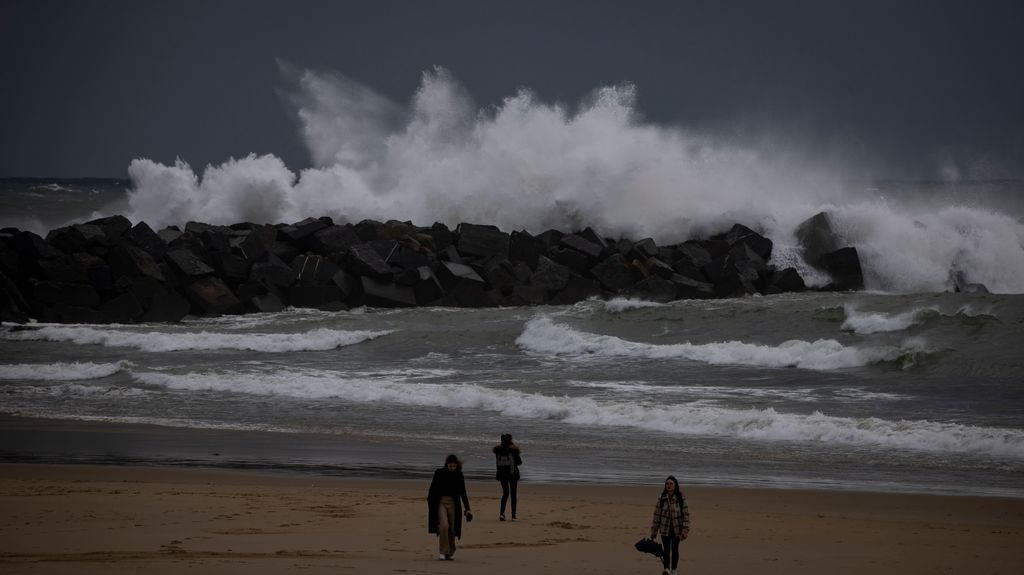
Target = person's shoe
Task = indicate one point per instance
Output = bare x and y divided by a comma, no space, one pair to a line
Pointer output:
441,556
501,517
449,558
664,572
674,572
513,518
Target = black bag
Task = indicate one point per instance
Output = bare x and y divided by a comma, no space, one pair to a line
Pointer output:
647,545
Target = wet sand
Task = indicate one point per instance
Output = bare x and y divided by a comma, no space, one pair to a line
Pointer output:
113,519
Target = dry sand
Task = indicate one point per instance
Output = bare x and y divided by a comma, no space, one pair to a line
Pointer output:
109,520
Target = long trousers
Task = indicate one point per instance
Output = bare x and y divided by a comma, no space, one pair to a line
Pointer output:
671,545
446,526
508,488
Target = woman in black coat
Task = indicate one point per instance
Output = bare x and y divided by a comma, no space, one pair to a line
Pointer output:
445,502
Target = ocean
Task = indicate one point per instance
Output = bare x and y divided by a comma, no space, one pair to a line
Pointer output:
891,390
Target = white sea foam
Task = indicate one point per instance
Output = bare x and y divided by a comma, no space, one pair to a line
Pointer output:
542,335
877,322
621,304
684,419
74,371
156,341
527,164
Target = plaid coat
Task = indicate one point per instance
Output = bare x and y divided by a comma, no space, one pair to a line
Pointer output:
670,516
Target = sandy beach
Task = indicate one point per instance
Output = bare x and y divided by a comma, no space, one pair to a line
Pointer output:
112,519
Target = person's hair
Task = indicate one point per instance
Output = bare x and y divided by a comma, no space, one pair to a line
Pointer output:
452,458
678,492
506,439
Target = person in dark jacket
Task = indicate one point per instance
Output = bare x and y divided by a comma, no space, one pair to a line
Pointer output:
507,460
672,521
446,500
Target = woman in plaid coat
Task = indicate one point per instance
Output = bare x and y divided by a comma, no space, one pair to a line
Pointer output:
672,522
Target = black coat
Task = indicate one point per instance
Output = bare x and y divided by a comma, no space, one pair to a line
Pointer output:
452,484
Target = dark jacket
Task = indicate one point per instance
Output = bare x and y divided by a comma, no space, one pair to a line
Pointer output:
507,461
452,484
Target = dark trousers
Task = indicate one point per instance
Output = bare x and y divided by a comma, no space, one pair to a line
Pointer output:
508,488
671,545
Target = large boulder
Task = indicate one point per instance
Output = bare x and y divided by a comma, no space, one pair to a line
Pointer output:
816,236
482,241
843,265
210,295
614,273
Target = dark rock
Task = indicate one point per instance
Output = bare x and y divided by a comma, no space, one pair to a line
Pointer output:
425,285
450,254
693,252
525,248
816,236
363,260
740,234
230,267
386,249
63,269
314,270
451,274
72,294
471,294
787,280
646,248
166,306
654,289
76,238
588,248
572,259
550,275
380,293
272,272
124,308
334,241
283,251
614,274
689,288
300,230
254,244
500,275
482,241
146,239
576,290
714,248
442,236
843,265
659,268
593,237
962,285
216,239
32,248
315,296
550,238
526,295
350,286
266,303
169,234
212,296
113,226
128,260
189,265
65,313
13,306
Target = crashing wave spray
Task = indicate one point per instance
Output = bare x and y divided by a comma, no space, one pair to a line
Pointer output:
525,164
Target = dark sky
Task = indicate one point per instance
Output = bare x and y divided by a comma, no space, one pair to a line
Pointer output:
903,88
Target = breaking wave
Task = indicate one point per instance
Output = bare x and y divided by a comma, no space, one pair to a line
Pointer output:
154,341
542,335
